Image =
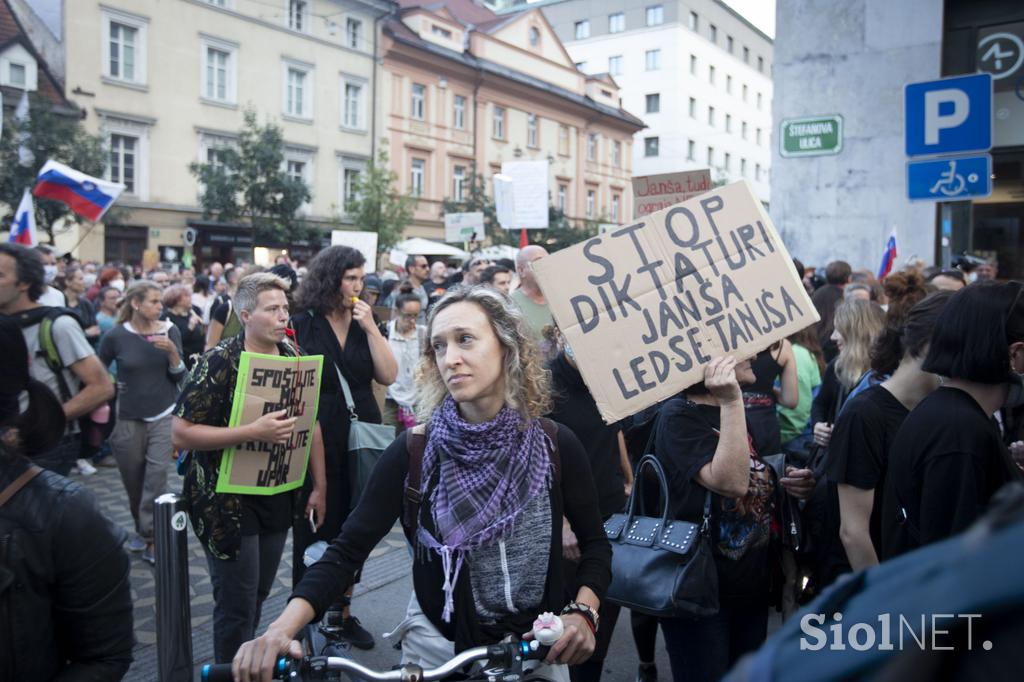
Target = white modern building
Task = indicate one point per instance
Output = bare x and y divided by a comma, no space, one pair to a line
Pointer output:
696,72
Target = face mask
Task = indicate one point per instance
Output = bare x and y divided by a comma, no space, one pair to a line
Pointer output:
89,278
117,284
568,352
49,273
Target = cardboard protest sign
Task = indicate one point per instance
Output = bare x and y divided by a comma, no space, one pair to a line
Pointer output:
652,193
463,227
647,306
268,383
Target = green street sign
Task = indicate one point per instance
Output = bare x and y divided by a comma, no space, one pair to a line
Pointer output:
812,136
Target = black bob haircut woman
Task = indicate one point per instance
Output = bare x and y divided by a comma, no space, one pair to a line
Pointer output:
320,289
972,337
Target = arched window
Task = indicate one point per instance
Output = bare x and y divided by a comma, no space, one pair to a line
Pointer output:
534,36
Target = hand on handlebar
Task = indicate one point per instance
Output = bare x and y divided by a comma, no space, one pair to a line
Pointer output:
576,644
255,660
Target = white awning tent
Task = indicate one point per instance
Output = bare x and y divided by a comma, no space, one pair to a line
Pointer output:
418,246
497,251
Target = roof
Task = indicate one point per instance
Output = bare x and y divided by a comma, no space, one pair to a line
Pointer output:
469,12
403,34
48,87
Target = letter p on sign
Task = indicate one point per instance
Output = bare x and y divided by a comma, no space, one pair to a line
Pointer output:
949,116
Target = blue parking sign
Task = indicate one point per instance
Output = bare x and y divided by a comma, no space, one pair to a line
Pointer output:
950,179
949,116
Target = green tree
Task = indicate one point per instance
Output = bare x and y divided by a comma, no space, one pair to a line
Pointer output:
378,206
248,183
50,136
476,200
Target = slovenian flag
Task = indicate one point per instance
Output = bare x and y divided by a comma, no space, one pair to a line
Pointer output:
888,257
87,196
23,227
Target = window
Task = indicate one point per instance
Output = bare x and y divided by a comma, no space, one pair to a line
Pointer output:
693,108
759,100
713,33
615,65
728,123
757,172
416,177
693,65
760,64
216,155
298,15
563,191
743,129
458,183
16,75
743,167
711,116
352,108
726,160
616,199
563,140
353,33
694,22
592,147
711,156
655,15
459,114
591,201
691,150
653,60
729,43
653,103
534,36
124,47
616,22
441,31
728,84
298,98
650,146
123,158
499,123
531,130
746,55
296,170
617,154
711,75
744,93
758,136
582,29
418,103
349,184
219,77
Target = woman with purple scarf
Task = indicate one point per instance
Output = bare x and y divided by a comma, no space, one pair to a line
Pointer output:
495,481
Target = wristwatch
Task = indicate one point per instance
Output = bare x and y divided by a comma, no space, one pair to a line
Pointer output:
589,614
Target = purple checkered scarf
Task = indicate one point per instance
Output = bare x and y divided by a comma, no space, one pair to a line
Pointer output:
487,473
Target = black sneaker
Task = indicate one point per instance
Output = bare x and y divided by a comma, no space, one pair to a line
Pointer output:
647,673
355,634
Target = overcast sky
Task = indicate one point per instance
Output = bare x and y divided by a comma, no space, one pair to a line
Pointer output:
760,13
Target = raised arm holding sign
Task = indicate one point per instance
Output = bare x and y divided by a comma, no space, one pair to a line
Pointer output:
646,306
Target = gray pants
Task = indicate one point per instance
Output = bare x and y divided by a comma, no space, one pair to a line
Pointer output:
143,453
239,589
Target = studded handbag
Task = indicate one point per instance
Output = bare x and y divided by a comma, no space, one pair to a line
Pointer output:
661,567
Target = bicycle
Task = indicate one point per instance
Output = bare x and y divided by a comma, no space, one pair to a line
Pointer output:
503,663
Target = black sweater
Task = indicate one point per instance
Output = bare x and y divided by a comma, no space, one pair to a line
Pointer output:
573,496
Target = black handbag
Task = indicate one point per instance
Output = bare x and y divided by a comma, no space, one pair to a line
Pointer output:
661,567
794,535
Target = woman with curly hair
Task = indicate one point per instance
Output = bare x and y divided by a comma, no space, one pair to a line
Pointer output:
332,321
494,481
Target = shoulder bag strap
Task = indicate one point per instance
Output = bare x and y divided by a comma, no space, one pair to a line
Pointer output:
19,483
347,391
415,443
551,429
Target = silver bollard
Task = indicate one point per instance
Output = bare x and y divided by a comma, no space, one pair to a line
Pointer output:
173,612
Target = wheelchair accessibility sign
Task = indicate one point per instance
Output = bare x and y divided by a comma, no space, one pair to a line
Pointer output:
950,179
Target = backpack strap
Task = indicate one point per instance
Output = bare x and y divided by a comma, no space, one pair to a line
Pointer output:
19,483
45,317
415,444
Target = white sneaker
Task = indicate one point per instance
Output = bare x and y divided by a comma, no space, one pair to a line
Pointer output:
85,468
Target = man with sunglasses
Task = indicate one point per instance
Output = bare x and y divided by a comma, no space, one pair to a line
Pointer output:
417,271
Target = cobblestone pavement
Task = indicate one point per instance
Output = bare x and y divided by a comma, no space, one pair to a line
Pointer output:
384,566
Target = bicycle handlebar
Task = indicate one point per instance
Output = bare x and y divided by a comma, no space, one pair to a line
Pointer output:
287,668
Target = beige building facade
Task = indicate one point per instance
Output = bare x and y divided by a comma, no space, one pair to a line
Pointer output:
463,87
167,82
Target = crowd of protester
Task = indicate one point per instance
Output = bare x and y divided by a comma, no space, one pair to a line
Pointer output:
896,417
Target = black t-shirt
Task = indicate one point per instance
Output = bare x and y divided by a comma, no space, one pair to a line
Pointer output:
574,406
686,441
947,461
859,451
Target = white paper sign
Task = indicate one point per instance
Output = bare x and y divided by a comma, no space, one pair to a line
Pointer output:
463,227
504,202
529,192
364,242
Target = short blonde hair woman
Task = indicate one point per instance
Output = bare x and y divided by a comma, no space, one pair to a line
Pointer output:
494,487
